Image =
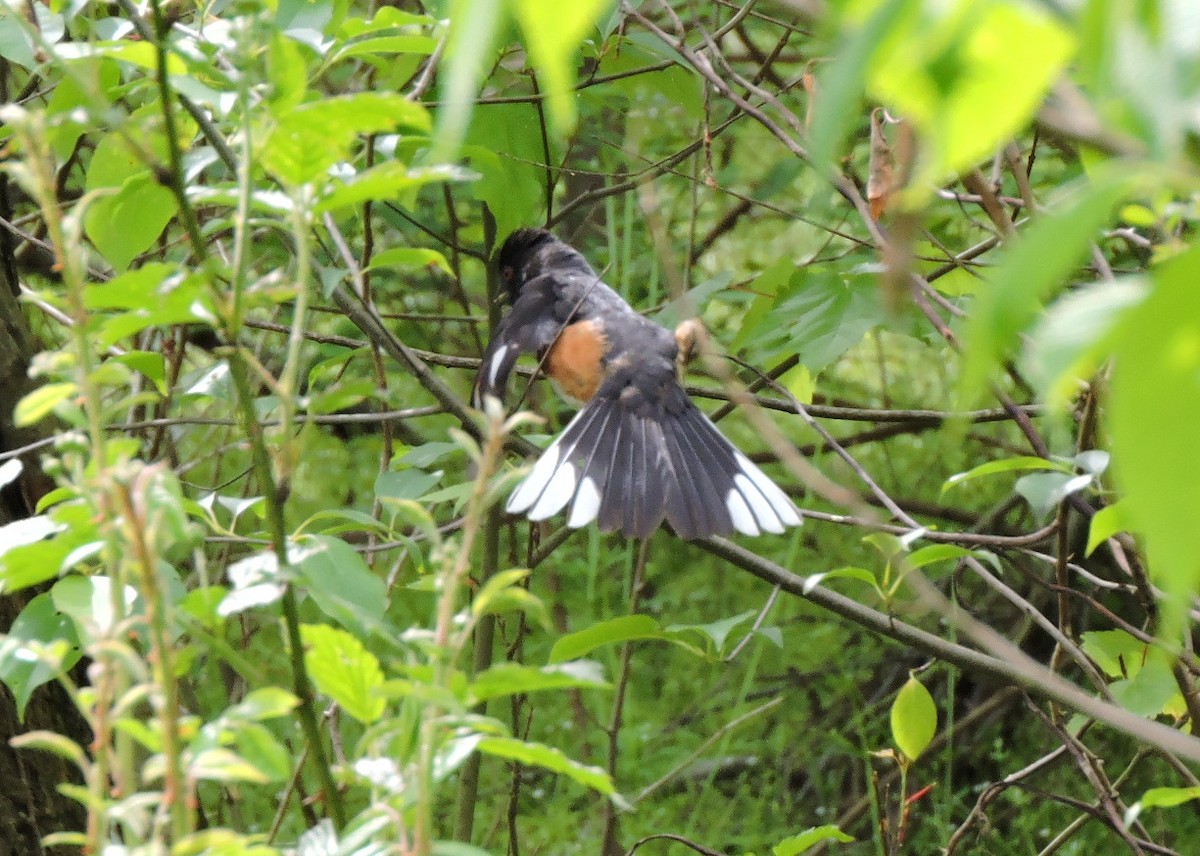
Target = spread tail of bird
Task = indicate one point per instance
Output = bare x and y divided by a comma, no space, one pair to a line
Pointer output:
630,470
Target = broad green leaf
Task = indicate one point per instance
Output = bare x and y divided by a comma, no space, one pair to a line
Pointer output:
149,363
549,758
914,719
125,224
1004,465
1149,691
718,631
553,31
307,140
840,83
433,451
805,840
405,484
1168,797
816,316
1117,653
38,404
860,574
1071,338
343,669
512,679
26,559
257,746
1037,261
1153,413
338,580
410,258
40,644
627,628
223,765
496,588
1106,522
90,602
1045,491
390,180
968,74
264,703
473,28
936,553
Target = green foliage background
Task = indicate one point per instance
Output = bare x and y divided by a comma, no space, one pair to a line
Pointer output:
252,239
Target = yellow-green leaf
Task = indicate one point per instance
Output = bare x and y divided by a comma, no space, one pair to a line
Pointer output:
914,719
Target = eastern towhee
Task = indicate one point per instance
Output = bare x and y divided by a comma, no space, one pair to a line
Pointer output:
639,451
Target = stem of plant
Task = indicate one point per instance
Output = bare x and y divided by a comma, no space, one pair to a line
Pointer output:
448,649
301,685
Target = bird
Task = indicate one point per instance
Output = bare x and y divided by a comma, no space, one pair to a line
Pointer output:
639,451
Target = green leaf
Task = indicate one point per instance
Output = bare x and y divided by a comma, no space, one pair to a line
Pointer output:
257,746
1106,522
1153,413
41,644
1037,261
840,83
718,631
1045,491
390,180
405,485
860,574
1149,691
936,553
1116,652
427,453
339,581
1005,465
512,679
126,224
549,758
473,28
223,765
307,140
149,363
1072,336
1168,797
264,703
343,669
495,587
553,31
914,719
411,258
818,317
806,839
627,628
90,602
968,75
38,404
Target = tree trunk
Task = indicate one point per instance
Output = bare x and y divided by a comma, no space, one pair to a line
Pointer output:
30,804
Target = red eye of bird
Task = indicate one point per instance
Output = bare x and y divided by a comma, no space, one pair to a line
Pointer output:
506,272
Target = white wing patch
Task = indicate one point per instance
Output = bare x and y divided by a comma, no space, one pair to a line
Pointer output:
739,513
586,505
530,489
557,494
780,502
494,366
767,518
550,484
